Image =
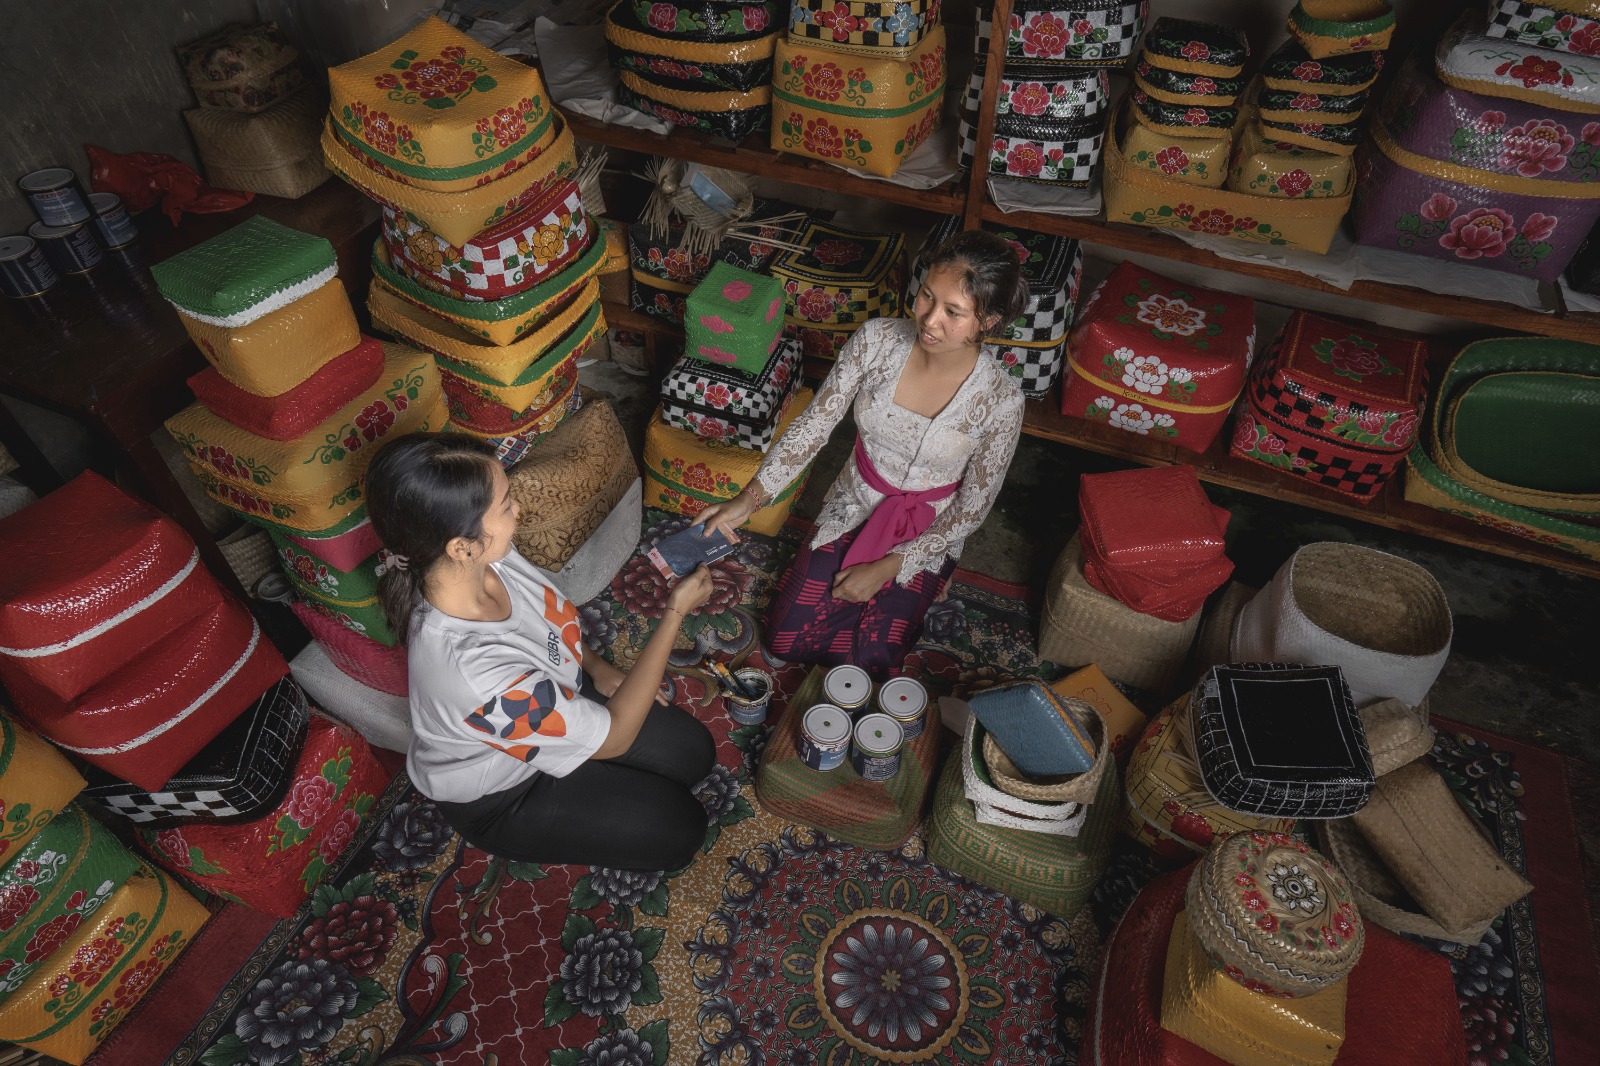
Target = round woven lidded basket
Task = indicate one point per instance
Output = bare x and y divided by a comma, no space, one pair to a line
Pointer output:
1062,788
1274,915
1382,619
1381,898
250,553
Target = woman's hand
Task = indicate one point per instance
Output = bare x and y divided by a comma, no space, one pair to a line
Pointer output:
728,517
691,592
859,583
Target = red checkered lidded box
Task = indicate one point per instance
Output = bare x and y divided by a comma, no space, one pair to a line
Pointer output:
1336,403
1159,358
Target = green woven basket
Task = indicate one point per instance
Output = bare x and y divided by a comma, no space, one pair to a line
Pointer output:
873,814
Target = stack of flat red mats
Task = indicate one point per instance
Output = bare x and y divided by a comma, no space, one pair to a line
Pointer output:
115,642
1152,540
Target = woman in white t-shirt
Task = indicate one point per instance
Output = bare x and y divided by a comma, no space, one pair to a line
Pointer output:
532,746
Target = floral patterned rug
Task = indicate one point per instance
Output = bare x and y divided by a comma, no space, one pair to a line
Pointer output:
779,945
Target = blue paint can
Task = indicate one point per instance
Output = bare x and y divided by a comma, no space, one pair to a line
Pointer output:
24,272
56,196
70,249
111,219
824,737
875,751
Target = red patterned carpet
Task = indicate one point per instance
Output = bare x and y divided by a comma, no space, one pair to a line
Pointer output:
778,945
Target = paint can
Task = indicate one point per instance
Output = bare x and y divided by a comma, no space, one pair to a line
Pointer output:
24,272
905,700
111,219
875,751
848,687
751,711
56,196
824,737
70,249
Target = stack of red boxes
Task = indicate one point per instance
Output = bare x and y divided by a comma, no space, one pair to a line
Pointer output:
1335,403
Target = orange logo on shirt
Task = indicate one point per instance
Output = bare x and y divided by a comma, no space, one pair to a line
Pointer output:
563,614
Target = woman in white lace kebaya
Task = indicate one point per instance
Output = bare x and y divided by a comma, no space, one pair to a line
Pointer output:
938,419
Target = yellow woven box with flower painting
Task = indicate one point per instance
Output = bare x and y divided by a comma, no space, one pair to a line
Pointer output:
861,112
1149,197
684,472
436,110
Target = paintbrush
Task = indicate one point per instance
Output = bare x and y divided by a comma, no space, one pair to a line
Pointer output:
732,682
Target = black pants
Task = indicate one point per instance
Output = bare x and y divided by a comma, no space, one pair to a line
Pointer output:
633,812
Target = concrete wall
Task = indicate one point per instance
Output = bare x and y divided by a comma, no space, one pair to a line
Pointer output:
76,72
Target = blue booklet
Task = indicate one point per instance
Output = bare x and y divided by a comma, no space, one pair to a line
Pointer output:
686,549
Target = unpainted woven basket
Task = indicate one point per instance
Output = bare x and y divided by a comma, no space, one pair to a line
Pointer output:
1063,788
1378,896
276,152
1082,625
1397,734
1384,620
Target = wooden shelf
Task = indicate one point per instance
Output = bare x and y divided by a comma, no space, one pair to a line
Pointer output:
1390,509
1504,318
753,156
1043,419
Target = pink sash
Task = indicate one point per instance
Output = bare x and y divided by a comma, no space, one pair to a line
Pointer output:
900,516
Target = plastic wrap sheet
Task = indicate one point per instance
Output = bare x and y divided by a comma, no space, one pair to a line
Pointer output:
1010,196
574,59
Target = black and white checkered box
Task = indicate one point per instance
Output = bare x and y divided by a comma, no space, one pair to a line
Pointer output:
1052,267
1069,163
723,403
241,774
1099,33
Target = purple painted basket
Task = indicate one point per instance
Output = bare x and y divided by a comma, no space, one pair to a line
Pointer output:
1523,226
1505,135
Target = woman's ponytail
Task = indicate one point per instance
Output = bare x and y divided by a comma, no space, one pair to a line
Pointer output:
990,273
423,491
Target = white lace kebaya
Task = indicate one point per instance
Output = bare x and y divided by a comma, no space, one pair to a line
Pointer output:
970,441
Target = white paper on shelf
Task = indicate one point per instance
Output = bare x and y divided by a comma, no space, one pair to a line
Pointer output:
1338,267
929,166
581,79
1578,301
1011,195
1449,279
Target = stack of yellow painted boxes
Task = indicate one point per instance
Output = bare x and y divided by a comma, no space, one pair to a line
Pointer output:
487,258
859,83
87,926
293,406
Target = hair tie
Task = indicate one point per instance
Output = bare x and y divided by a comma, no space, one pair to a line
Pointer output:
399,562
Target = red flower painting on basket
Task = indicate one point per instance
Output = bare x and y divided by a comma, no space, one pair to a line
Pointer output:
663,17
1172,159
1483,232
1294,183
836,252
755,18
374,420
821,138
823,81
1534,71
1309,71
1030,98
1025,160
814,305
1196,51
1536,147
1045,36
1585,41
442,76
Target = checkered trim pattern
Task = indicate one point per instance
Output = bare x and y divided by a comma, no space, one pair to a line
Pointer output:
1035,369
244,772
1520,22
1222,746
1073,99
877,23
1032,158
722,403
1122,24
1292,407
530,246
1350,471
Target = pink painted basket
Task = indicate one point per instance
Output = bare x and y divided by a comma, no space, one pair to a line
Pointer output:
1521,226
1529,139
343,551
361,657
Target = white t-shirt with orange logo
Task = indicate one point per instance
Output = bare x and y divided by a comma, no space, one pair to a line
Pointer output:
493,703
